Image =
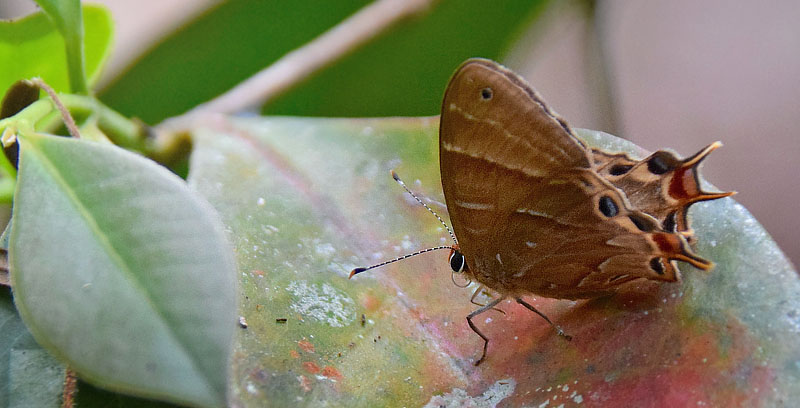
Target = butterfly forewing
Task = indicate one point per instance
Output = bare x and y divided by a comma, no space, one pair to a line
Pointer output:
531,213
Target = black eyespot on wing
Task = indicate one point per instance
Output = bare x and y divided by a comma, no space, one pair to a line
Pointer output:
670,223
619,169
608,207
643,224
657,266
658,165
457,261
486,93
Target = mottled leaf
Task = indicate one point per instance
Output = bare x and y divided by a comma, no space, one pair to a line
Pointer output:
306,200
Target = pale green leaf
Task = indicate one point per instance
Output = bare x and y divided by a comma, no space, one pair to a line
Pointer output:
121,271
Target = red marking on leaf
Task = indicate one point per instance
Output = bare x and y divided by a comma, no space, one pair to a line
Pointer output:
311,367
370,302
331,372
306,345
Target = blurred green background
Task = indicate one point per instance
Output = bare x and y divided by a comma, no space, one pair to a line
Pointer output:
675,74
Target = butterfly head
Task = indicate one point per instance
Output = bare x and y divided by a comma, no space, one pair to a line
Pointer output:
457,262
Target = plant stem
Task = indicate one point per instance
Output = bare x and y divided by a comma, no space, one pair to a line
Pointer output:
119,129
65,115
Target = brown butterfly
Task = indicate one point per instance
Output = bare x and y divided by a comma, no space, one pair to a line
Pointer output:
534,211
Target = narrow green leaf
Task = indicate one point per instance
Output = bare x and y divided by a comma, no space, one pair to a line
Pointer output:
306,200
33,46
121,271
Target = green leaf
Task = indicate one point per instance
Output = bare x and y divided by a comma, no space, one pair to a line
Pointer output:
402,72
121,271
33,46
308,199
29,376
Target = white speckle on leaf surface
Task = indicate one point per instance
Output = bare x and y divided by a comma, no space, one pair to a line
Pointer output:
499,391
406,244
251,388
269,229
322,302
325,249
260,202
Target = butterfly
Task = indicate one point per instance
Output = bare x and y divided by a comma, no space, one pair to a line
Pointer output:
534,211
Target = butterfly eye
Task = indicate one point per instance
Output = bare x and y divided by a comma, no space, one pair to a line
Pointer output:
486,94
457,262
657,266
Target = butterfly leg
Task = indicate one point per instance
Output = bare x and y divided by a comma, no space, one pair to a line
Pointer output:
476,293
488,306
533,309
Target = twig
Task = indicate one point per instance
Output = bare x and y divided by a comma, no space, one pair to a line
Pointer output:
68,121
323,50
70,389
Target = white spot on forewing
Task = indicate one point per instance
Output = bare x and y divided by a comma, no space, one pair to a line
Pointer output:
498,258
530,244
533,212
477,231
499,391
485,156
474,206
322,302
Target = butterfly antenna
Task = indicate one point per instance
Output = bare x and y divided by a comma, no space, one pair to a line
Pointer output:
399,258
402,184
